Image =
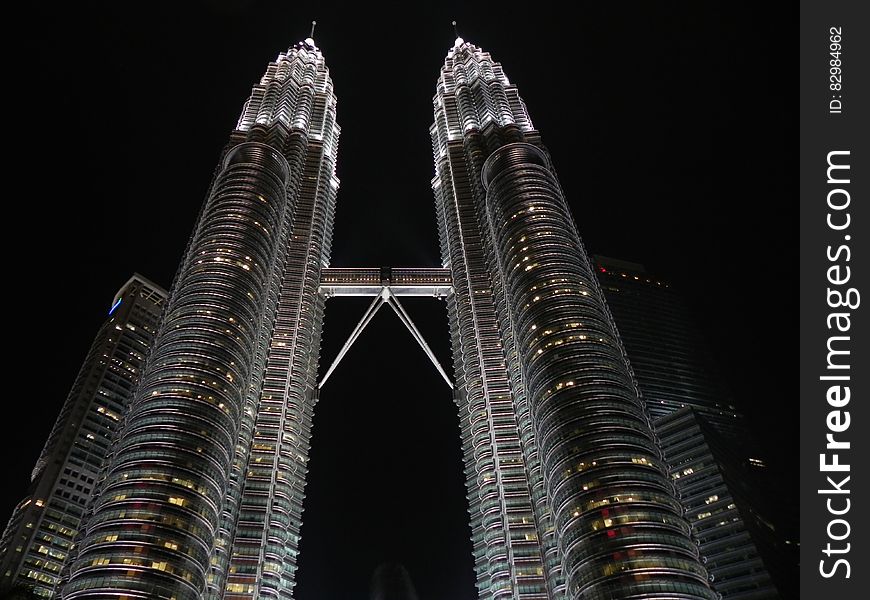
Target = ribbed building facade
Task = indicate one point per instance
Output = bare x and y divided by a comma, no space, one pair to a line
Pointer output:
203,494
568,494
40,534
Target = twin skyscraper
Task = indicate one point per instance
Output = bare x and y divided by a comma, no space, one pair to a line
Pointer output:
201,493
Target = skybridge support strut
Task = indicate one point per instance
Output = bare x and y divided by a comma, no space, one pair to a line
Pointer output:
386,295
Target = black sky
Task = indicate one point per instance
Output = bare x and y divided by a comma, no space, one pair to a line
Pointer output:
673,129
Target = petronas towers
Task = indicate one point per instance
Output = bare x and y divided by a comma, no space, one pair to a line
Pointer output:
201,493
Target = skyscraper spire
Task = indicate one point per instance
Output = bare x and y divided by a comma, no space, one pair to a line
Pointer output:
309,41
459,41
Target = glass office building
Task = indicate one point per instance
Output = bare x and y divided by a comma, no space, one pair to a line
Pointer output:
38,539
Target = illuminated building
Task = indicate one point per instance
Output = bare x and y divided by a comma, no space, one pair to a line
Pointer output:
568,496
39,535
203,493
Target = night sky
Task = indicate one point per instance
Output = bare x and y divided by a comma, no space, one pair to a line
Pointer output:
673,130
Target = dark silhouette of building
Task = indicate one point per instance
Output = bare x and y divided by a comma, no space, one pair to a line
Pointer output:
667,354
391,581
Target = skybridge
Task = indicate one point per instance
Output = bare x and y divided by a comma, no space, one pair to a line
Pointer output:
385,285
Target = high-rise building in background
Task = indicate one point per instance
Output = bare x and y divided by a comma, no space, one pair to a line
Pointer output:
667,354
715,467
202,493
723,503
703,438
40,534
